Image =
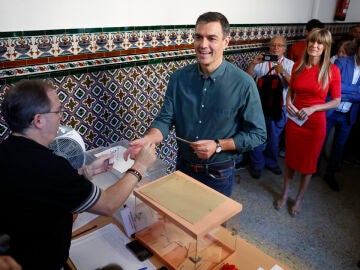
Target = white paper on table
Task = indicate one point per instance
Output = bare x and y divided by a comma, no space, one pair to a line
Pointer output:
83,219
104,246
296,120
119,162
276,267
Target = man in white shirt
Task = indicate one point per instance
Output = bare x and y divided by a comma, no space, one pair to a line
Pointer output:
267,154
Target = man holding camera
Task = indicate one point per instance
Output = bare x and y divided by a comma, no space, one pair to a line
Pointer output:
273,63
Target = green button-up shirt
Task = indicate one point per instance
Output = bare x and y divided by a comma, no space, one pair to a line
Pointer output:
224,105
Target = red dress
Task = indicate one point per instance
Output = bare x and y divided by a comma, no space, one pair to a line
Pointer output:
304,143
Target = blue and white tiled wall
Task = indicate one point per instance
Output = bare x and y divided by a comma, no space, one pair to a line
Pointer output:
111,81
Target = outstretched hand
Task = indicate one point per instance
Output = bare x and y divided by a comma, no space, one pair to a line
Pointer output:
134,148
145,157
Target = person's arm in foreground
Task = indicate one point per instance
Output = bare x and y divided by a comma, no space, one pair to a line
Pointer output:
113,197
8,263
154,136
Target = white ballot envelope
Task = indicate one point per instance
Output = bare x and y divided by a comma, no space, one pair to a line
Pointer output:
119,162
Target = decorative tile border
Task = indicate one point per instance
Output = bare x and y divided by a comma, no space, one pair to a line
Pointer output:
34,47
34,52
29,70
36,69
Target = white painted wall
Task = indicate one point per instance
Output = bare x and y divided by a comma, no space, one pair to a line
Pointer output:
23,15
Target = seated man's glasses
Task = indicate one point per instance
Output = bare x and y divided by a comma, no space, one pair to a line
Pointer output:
60,112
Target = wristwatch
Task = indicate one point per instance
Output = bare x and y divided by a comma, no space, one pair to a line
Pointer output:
218,146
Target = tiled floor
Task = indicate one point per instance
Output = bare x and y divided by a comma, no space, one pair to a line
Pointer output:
325,235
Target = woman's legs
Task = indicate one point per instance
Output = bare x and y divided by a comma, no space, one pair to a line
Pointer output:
305,180
289,174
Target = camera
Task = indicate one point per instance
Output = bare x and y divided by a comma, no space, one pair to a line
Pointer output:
270,57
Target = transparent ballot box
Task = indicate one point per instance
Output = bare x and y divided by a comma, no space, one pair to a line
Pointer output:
180,220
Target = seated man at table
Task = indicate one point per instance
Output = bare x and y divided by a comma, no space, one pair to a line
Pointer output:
39,191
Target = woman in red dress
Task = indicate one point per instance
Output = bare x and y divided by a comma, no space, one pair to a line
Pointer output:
313,77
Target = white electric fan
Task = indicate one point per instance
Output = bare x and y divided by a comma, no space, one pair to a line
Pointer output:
70,145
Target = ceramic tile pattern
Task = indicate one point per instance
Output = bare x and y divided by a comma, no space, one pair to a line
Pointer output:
111,81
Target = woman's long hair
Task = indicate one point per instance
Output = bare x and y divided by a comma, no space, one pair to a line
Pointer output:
322,36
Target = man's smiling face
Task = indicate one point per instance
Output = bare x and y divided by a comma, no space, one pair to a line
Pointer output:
209,45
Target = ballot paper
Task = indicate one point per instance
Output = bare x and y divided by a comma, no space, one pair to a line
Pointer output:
104,246
119,162
135,218
296,120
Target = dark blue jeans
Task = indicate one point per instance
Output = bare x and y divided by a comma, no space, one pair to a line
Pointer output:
222,181
342,127
268,153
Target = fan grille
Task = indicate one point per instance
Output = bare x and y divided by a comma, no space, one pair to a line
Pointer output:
69,149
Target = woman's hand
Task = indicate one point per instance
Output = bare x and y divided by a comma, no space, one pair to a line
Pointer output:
290,108
304,113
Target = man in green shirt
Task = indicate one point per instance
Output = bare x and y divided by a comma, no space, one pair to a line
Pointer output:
214,106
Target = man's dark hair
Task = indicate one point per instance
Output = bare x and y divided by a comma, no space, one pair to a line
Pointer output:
215,17
353,33
22,101
314,23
